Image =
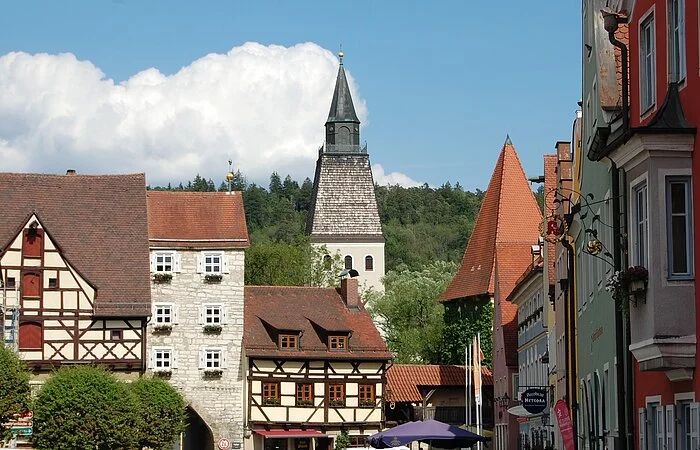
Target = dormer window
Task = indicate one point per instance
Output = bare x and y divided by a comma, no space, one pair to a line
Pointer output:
338,343
288,341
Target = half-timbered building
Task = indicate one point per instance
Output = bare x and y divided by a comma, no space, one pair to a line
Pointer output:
316,366
74,270
197,242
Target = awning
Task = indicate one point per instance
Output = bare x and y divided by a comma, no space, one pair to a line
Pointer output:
309,433
520,411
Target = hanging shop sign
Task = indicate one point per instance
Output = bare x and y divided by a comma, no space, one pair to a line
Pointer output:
534,400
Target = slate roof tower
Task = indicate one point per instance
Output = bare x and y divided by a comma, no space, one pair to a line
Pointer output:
343,214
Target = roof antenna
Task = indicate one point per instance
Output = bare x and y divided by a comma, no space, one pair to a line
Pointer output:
229,176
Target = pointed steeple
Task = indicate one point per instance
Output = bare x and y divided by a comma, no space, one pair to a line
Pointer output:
507,142
342,126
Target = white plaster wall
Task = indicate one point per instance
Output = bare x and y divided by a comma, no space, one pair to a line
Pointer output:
218,401
358,251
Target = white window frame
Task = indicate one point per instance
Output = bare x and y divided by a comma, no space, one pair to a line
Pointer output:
677,70
208,359
166,356
172,316
688,214
640,224
372,259
175,261
210,316
647,62
345,262
207,268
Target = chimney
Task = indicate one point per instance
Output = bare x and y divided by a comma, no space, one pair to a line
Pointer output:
70,172
349,292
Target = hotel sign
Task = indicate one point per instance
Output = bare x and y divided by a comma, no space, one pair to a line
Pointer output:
534,400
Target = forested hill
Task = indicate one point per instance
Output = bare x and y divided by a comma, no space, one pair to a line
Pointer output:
421,224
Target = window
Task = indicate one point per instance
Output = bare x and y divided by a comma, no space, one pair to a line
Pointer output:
641,225
289,341
336,394
212,263
162,359
32,244
115,335
327,262
348,262
164,262
369,263
164,313
31,285
358,440
30,336
213,314
305,396
11,282
53,283
337,343
688,437
676,40
366,395
647,61
679,224
271,393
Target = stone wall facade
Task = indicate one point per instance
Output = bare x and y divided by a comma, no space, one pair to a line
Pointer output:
217,399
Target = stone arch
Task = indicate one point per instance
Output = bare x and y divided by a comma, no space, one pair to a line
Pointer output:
198,433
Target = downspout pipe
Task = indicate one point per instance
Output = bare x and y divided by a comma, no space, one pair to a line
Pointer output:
611,22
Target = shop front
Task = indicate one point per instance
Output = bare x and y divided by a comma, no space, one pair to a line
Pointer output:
291,440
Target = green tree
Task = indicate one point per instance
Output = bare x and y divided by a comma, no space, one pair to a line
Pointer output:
162,411
409,313
463,320
14,386
342,441
85,407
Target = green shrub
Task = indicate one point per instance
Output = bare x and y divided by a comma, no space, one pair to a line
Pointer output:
14,386
162,410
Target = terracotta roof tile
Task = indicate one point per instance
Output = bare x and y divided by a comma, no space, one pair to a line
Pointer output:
199,219
98,221
405,380
269,309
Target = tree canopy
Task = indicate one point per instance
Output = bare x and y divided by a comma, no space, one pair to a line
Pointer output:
14,386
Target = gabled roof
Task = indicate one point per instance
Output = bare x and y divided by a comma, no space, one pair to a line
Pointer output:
99,223
510,216
307,310
196,219
405,380
342,108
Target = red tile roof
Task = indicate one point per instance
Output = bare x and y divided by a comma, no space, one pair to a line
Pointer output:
196,219
313,311
99,223
509,215
404,380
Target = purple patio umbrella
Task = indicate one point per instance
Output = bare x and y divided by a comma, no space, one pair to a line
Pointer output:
433,432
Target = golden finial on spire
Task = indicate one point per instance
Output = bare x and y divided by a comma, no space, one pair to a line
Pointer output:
341,54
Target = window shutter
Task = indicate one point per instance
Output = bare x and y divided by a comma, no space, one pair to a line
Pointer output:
224,315
153,262
201,314
176,313
201,359
173,362
177,262
150,360
660,434
670,427
694,425
224,264
642,428
224,360
200,263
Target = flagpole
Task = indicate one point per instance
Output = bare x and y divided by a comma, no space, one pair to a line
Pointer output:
467,387
479,401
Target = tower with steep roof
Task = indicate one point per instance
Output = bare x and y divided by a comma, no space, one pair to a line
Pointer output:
344,215
497,254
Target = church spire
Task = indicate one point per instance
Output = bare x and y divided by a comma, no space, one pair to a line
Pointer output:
342,108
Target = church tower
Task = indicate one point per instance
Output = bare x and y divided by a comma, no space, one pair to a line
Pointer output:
343,214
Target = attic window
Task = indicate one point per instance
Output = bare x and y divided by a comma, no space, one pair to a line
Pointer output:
338,343
289,341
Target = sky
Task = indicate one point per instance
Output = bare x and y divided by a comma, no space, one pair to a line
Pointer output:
177,88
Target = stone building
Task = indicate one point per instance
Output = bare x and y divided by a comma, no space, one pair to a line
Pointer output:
343,214
197,243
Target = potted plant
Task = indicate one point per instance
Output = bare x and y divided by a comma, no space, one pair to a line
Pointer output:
213,373
271,401
212,329
337,402
213,278
162,328
629,284
162,373
367,403
305,403
162,277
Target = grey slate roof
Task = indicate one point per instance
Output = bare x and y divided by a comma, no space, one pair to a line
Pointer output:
342,108
343,205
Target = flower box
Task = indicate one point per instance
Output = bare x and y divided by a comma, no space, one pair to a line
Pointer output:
629,285
212,329
336,402
213,278
162,373
213,373
162,277
305,403
271,401
162,328
367,403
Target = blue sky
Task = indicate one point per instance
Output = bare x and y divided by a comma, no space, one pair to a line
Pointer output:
442,82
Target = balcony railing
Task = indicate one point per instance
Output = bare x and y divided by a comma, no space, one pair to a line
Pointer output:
344,148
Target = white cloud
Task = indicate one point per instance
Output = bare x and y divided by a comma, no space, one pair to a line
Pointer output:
381,178
264,107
